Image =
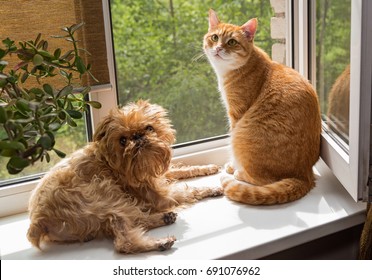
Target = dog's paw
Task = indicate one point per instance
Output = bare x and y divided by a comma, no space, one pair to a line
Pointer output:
204,192
166,243
212,169
88,238
169,218
218,191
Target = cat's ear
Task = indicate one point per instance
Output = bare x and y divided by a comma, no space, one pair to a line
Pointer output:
213,20
250,28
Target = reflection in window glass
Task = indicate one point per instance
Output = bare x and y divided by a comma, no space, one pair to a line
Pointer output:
158,52
333,64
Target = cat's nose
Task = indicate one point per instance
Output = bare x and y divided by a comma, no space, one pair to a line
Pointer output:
218,49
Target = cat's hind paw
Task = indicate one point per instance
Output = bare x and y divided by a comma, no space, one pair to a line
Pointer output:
226,181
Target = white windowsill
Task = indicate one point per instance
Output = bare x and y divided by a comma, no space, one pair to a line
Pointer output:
215,228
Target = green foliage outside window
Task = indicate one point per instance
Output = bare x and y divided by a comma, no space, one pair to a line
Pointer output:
158,51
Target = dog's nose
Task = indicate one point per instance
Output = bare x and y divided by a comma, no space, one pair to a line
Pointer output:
137,136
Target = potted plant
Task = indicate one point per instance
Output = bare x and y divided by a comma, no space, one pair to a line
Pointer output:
30,116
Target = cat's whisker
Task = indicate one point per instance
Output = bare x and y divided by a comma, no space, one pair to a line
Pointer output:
198,57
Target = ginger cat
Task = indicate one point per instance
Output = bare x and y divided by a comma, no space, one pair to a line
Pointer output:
274,118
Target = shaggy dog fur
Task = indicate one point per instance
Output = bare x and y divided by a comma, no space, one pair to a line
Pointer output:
120,185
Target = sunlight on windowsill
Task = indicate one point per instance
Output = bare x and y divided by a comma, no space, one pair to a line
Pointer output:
215,228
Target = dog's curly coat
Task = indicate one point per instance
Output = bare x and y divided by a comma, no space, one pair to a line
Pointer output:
120,185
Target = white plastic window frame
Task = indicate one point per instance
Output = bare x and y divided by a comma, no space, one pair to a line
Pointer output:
350,167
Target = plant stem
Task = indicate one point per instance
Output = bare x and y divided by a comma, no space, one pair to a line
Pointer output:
8,132
30,151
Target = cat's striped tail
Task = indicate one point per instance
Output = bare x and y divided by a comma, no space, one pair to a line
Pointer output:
283,191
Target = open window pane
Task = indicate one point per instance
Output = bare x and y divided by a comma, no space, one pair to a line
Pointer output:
158,51
342,63
333,25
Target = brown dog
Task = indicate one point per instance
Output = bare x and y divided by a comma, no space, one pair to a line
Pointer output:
119,185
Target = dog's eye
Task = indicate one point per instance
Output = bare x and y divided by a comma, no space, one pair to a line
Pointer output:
149,128
123,141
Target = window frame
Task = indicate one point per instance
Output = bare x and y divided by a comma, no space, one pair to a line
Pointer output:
14,198
350,167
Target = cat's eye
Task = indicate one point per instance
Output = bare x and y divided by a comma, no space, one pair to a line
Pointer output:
123,141
149,128
232,42
214,38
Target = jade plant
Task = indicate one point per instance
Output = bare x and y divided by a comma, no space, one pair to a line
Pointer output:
32,113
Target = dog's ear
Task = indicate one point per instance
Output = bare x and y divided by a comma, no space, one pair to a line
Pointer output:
103,126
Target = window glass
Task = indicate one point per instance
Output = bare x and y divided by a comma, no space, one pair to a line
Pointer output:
158,51
333,65
344,87
22,21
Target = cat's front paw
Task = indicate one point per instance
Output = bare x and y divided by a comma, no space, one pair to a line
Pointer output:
229,168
